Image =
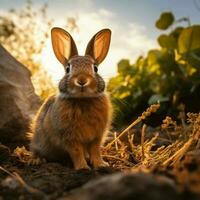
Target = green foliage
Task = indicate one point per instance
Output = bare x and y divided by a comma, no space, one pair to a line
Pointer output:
169,75
189,39
167,41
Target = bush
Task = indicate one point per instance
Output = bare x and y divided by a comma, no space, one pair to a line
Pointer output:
169,75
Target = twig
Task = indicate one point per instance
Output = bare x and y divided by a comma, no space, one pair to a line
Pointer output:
5,170
25,185
117,158
116,145
179,154
124,131
130,140
198,144
17,177
142,140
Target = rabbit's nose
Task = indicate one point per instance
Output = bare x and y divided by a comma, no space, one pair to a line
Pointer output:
81,82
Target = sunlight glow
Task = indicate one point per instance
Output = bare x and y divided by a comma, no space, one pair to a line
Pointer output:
123,44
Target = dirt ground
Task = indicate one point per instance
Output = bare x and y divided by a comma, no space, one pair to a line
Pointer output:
145,164
18,180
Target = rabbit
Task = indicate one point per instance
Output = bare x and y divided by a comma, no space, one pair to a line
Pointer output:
75,121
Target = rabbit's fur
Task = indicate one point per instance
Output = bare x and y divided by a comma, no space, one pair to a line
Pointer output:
74,121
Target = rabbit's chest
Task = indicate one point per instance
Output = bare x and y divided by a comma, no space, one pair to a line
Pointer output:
91,126
84,124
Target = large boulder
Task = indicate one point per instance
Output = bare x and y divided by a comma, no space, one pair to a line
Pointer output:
18,102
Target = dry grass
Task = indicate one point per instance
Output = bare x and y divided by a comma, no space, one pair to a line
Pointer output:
129,153
125,154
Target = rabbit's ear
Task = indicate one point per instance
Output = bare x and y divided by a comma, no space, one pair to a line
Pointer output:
63,45
99,45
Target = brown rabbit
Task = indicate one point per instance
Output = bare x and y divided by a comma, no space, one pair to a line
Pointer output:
75,120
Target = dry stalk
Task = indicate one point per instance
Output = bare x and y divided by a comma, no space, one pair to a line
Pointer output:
130,140
195,120
117,158
179,154
116,144
142,140
128,155
198,144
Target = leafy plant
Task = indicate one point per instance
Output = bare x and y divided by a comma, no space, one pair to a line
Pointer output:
169,75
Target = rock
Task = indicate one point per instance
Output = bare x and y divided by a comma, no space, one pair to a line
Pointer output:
18,101
121,186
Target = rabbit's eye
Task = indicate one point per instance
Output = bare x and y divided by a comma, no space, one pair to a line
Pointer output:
68,68
95,68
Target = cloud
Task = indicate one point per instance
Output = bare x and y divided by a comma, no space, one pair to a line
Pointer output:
3,12
131,41
106,13
128,40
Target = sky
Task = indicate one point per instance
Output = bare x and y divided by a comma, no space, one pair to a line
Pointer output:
131,21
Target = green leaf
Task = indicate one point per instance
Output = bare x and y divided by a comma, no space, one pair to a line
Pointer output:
123,66
157,98
193,58
124,95
165,21
153,57
176,32
167,41
189,39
